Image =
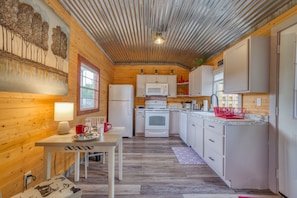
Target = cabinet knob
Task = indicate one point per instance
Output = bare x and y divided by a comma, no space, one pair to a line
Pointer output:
211,158
211,140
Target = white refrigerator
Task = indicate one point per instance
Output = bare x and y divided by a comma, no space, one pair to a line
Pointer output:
120,107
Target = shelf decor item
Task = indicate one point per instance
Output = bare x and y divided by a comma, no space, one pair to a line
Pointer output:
156,71
171,72
198,62
141,71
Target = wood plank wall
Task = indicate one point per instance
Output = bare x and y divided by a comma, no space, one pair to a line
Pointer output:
127,75
26,118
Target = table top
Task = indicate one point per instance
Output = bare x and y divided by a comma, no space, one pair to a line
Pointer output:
111,138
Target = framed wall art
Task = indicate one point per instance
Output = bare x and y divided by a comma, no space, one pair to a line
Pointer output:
34,48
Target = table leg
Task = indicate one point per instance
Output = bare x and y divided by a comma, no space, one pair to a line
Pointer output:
120,154
76,166
111,153
47,163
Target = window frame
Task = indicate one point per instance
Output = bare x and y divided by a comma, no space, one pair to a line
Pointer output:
221,71
84,62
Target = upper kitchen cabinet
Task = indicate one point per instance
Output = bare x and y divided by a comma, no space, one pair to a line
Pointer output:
246,66
141,80
201,81
171,79
140,85
154,78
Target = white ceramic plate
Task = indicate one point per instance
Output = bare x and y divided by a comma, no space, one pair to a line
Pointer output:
82,137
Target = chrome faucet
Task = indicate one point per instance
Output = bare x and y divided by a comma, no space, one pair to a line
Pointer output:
217,100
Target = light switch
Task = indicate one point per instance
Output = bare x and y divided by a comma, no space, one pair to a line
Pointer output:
259,101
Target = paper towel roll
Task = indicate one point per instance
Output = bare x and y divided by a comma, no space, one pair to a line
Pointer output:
205,105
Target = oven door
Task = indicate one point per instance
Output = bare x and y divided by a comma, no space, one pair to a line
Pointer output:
156,119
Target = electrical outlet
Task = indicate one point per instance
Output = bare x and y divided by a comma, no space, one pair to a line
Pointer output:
27,178
259,101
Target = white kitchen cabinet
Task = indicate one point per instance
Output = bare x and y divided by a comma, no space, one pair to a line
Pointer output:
238,153
155,78
139,122
214,149
195,133
201,81
174,122
246,66
183,122
140,85
171,80
141,80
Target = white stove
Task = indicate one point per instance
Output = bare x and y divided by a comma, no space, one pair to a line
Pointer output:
155,104
156,118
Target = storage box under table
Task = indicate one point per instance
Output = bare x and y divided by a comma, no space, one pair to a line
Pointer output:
58,186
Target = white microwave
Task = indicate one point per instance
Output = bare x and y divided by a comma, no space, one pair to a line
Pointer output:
156,89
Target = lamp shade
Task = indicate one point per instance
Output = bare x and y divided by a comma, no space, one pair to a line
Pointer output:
63,111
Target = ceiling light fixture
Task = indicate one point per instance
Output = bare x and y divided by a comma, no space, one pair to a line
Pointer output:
159,39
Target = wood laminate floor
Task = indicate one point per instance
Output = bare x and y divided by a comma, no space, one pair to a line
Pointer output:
151,170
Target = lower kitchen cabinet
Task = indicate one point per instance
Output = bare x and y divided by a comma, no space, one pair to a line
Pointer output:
195,133
139,122
214,146
183,125
238,153
174,122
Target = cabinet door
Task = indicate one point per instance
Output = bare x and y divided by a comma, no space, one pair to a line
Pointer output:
150,78
199,147
156,78
200,81
191,136
183,125
171,85
139,121
162,78
140,85
236,68
174,122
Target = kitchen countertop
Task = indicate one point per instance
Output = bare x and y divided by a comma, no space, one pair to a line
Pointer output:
250,119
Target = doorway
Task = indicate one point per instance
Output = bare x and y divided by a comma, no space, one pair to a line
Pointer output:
283,106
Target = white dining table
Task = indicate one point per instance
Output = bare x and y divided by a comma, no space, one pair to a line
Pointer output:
67,143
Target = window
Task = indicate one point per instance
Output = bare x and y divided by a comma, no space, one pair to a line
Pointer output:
88,89
225,100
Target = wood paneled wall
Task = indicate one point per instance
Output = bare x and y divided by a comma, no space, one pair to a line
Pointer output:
127,75
26,118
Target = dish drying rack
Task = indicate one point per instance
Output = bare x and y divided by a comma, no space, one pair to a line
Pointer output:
230,112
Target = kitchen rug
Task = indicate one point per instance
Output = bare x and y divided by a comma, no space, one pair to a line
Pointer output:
186,155
228,196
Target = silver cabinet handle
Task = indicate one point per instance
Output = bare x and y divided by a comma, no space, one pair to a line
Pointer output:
211,140
211,158
211,126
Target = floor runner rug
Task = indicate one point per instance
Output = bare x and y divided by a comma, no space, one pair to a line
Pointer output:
186,155
228,196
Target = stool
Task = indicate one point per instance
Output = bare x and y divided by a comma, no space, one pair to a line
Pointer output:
57,186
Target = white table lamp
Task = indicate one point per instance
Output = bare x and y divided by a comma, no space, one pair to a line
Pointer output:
63,114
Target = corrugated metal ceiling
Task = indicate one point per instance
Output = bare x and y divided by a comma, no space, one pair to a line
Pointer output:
125,29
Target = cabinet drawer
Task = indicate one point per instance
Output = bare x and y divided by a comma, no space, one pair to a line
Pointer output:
139,113
215,127
215,161
198,121
214,141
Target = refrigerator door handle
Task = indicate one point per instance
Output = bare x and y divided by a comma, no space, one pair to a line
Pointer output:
129,110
